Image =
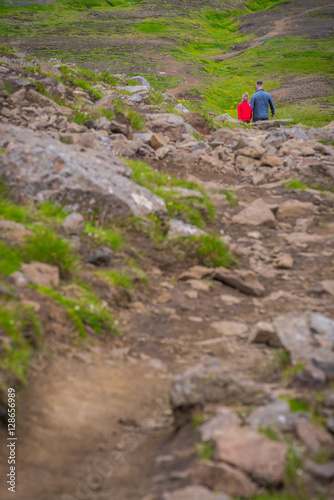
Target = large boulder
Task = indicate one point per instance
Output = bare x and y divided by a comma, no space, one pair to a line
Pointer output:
168,124
213,383
307,336
36,167
253,453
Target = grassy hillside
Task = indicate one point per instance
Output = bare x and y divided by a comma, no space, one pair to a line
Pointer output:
221,47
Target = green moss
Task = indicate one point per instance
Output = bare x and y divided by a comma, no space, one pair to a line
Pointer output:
196,420
208,250
118,278
295,184
46,246
10,259
23,327
194,209
205,451
85,311
104,235
270,433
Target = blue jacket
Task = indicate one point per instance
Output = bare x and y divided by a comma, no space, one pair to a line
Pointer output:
259,104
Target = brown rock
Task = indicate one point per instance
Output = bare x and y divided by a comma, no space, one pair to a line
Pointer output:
243,280
18,96
272,161
246,162
50,70
13,232
223,477
164,298
196,273
194,493
258,213
74,224
314,436
264,333
158,141
231,328
295,209
254,151
284,261
252,452
41,274
44,101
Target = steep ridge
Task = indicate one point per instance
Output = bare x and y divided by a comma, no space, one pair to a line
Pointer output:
208,247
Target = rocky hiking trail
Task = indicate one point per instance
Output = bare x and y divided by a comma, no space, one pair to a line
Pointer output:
220,384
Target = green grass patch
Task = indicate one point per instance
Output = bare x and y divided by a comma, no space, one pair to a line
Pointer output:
10,260
85,310
46,246
22,326
230,196
194,209
136,120
295,184
208,250
118,278
205,451
104,235
270,433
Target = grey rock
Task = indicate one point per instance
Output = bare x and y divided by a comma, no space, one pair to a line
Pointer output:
177,228
268,124
258,213
243,280
143,136
275,138
330,424
276,414
40,168
100,256
194,493
169,124
328,400
225,418
135,98
321,471
102,123
308,337
74,224
213,383
135,89
118,128
141,80
181,109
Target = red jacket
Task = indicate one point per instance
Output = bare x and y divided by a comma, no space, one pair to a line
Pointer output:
244,112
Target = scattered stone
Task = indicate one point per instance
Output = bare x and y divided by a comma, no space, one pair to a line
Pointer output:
258,213
158,141
178,228
74,224
272,161
141,80
41,274
307,336
231,328
330,424
194,493
254,151
4,291
195,319
191,294
311,377
225,418
284,261
230,300
252,452
325,286
20,279
314,436
100,256
224,477
243,280
276,415
164,298
181,109
196,273
328,400
118,128
264,333
199,285
13,232
321,471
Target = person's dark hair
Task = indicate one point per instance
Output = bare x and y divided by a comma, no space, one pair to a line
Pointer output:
259,83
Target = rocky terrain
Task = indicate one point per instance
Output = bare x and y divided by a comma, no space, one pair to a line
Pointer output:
167,287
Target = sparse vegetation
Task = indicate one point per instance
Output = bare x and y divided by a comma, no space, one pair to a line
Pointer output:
205,451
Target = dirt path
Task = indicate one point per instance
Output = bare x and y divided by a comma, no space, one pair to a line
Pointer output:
280,28
95,423
180,70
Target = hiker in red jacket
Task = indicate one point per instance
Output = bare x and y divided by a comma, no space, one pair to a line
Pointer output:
244,110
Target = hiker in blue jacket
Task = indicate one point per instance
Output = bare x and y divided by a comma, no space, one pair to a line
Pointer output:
259,104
